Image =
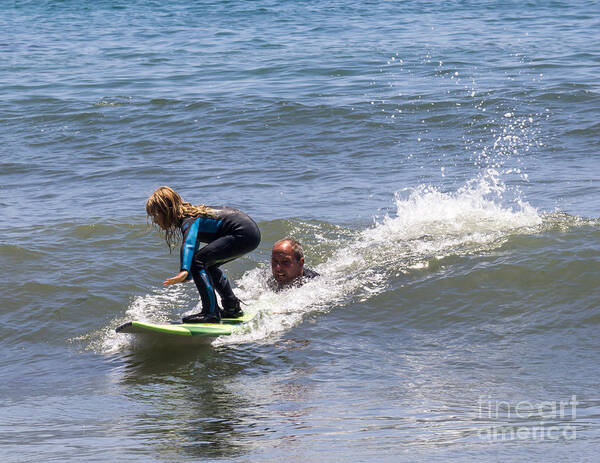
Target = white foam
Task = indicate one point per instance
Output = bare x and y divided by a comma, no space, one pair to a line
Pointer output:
476,208
427,224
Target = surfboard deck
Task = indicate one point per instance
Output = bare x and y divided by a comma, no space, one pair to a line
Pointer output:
225,328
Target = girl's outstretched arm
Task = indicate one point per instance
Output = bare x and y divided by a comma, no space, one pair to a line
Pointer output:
181,276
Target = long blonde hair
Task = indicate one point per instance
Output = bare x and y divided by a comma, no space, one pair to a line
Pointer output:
166,209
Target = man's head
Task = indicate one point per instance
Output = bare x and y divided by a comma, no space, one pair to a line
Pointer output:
287,261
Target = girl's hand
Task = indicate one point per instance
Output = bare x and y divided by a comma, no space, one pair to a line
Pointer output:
181,276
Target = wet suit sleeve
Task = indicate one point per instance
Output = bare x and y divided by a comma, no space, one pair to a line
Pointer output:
188,248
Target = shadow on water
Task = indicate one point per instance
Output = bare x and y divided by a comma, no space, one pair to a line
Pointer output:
193,404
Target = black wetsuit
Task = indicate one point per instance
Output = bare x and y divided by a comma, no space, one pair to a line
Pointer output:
229,234
309,274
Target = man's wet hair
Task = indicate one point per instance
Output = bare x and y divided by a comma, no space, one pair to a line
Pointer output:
296,247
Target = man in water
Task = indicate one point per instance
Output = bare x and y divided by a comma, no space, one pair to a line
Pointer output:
287,264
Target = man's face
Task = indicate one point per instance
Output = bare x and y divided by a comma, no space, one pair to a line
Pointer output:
286,268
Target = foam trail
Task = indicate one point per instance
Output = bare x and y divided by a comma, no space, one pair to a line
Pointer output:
427,224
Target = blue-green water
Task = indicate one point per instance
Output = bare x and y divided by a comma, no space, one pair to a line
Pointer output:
439,162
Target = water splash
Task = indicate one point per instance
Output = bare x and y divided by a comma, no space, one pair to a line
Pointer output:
427,224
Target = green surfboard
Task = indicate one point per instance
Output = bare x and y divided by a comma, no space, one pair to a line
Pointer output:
225,328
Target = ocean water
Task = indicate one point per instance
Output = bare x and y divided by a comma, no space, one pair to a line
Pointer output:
439,162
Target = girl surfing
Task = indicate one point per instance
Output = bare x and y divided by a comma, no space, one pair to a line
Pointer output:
229,234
